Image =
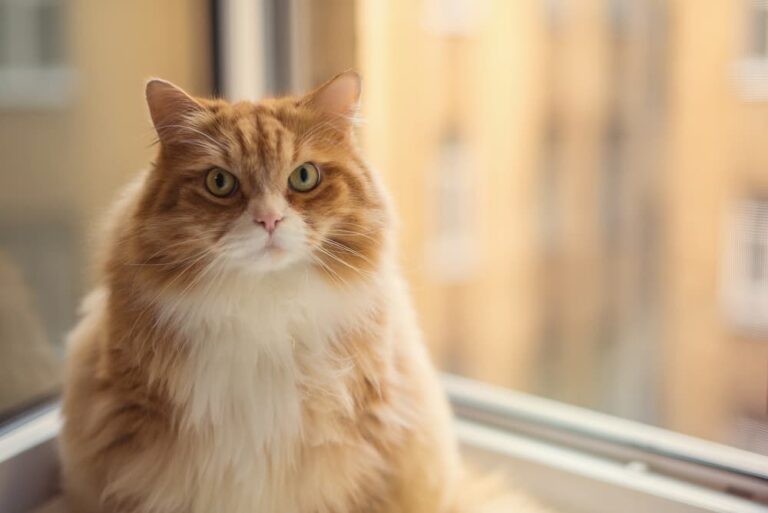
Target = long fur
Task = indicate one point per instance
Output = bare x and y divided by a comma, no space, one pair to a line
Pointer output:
212,374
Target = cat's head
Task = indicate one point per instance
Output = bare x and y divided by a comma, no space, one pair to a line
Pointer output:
260,187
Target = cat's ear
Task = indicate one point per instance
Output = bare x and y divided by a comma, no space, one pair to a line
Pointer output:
339,97
170,107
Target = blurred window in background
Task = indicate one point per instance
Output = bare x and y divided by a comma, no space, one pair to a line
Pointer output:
33,45
747,271
566,173
757,32
753,68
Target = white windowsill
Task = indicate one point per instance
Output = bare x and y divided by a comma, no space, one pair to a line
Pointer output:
570,479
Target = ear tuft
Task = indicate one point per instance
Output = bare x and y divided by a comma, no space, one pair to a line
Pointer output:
169,106
339,96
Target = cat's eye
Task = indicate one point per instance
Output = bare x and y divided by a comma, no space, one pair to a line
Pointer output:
220,183
304,178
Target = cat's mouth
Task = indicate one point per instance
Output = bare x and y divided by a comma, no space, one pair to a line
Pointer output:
272,248
254,249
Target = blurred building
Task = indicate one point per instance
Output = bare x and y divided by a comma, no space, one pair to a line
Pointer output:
572,178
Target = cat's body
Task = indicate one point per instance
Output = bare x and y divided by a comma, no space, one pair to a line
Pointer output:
294,428
251,346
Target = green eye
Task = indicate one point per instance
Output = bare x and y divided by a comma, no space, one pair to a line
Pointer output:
220,183
304,178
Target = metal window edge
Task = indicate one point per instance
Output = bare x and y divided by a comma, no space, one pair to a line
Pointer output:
36,428
626,476
42,426
475,400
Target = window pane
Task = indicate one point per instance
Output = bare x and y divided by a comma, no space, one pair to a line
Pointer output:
565,173
572,177
64,160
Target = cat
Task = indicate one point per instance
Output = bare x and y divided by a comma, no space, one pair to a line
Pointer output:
251,345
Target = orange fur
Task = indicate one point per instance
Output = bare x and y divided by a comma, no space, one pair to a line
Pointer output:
211,372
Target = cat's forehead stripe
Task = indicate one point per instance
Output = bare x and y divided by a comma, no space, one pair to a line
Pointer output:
240,135
255,136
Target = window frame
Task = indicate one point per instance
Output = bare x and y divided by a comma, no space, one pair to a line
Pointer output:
644,458
598,462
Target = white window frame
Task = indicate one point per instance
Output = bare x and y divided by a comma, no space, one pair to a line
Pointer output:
592,456
571,458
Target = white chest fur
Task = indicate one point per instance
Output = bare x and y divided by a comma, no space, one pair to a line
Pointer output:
239,384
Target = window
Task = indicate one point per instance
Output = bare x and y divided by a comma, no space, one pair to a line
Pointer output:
34,71
753,65
449,186
65,154
746,270
599,325
757,32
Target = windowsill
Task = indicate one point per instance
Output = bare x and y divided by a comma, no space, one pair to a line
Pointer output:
598,464
611,450
571,481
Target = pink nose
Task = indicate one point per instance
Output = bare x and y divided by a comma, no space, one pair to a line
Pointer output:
268,220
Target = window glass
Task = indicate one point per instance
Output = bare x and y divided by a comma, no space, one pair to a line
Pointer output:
581,186
73,129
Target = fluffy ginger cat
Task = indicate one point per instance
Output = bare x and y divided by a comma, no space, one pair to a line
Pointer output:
251,346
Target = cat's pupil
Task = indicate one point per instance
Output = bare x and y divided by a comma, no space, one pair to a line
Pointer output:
304,174
219,180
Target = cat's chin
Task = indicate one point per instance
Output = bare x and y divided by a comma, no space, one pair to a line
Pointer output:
267,260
